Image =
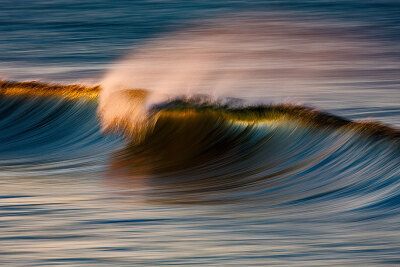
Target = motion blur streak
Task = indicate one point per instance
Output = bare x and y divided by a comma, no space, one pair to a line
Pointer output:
188,133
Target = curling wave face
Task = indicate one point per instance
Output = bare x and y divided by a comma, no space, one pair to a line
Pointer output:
48,129
189,150
284,168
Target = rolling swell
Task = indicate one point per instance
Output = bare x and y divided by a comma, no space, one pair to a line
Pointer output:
198,151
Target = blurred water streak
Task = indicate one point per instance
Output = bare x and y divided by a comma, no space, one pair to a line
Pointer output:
277,193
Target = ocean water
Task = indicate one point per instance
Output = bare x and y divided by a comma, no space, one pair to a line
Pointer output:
222,133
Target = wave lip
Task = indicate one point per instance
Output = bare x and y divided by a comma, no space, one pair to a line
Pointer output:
202,105
34,89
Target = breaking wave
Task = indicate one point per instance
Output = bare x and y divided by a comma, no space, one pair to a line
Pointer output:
195,150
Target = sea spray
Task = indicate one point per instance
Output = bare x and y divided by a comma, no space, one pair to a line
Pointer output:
260,59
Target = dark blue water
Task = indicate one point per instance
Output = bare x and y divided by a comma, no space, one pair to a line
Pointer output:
201,190
60,39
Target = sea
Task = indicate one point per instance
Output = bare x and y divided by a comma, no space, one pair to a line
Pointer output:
199,133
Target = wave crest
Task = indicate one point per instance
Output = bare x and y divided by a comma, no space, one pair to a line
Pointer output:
35,89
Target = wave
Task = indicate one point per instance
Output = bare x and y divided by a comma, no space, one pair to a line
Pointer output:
196,150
